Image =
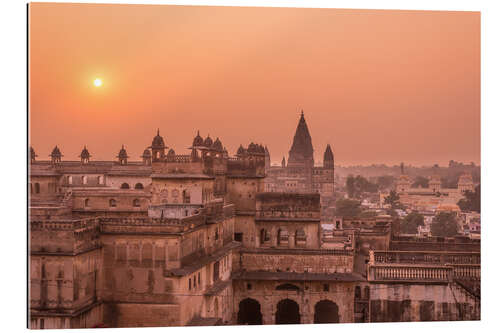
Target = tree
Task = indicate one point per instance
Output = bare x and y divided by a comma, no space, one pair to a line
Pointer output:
350,185
444,225
384,182
472,200
393,200
420,182
358,185
409,225
348,208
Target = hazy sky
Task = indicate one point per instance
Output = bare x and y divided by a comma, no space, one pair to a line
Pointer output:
379,86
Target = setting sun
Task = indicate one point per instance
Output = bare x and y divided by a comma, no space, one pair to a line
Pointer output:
97,82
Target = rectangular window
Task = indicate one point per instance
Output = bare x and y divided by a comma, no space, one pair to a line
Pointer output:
189,284
326,287
238,236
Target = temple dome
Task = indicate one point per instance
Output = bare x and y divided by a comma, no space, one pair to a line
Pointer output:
208,142
217,145
146,153
198,140
85,153
158,141
122,153
241,150
171,152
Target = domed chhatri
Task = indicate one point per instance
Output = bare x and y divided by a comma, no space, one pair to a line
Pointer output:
158,141
198,140
85,155
158,147
171,152
146,157
33,155
217,145
122,156
56,155
208,142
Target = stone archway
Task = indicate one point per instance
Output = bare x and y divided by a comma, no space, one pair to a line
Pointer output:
287,312
326,311
249,312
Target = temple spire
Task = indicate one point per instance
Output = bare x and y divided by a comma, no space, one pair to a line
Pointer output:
301,153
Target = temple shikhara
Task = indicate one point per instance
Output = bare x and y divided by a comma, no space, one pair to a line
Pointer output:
209,238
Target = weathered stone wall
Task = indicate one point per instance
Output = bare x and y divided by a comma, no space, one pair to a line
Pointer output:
99,201
309,293
420,302
242,192
170,190
298,261
310,229
142,315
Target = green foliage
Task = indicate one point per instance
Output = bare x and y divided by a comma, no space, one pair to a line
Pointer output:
410,223
348,208
472,200
393,200
358,185
420,182
444,225
384,182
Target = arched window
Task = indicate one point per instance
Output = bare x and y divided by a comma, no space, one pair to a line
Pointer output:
87,202
100,180
70,180
139,186
112,203
282,237
137,203
264,236
300,238
357,292
37,188
125,186
186,196
84,179
367,292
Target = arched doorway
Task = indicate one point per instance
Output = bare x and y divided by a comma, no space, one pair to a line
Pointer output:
326,312
249,312
287,312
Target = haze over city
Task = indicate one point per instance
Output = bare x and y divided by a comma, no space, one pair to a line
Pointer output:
379,86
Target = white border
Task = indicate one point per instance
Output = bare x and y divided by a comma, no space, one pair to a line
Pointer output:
13,134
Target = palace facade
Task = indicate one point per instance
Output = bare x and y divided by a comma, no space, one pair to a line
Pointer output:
196,239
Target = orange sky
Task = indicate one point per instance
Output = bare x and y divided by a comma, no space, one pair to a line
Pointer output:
379,86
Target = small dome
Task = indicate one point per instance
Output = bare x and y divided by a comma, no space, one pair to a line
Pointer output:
241,150
208,142
217,145
252,148
85,153
158,141
146,153
266,151
171,152
122,153
33,155
198,140
56,152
